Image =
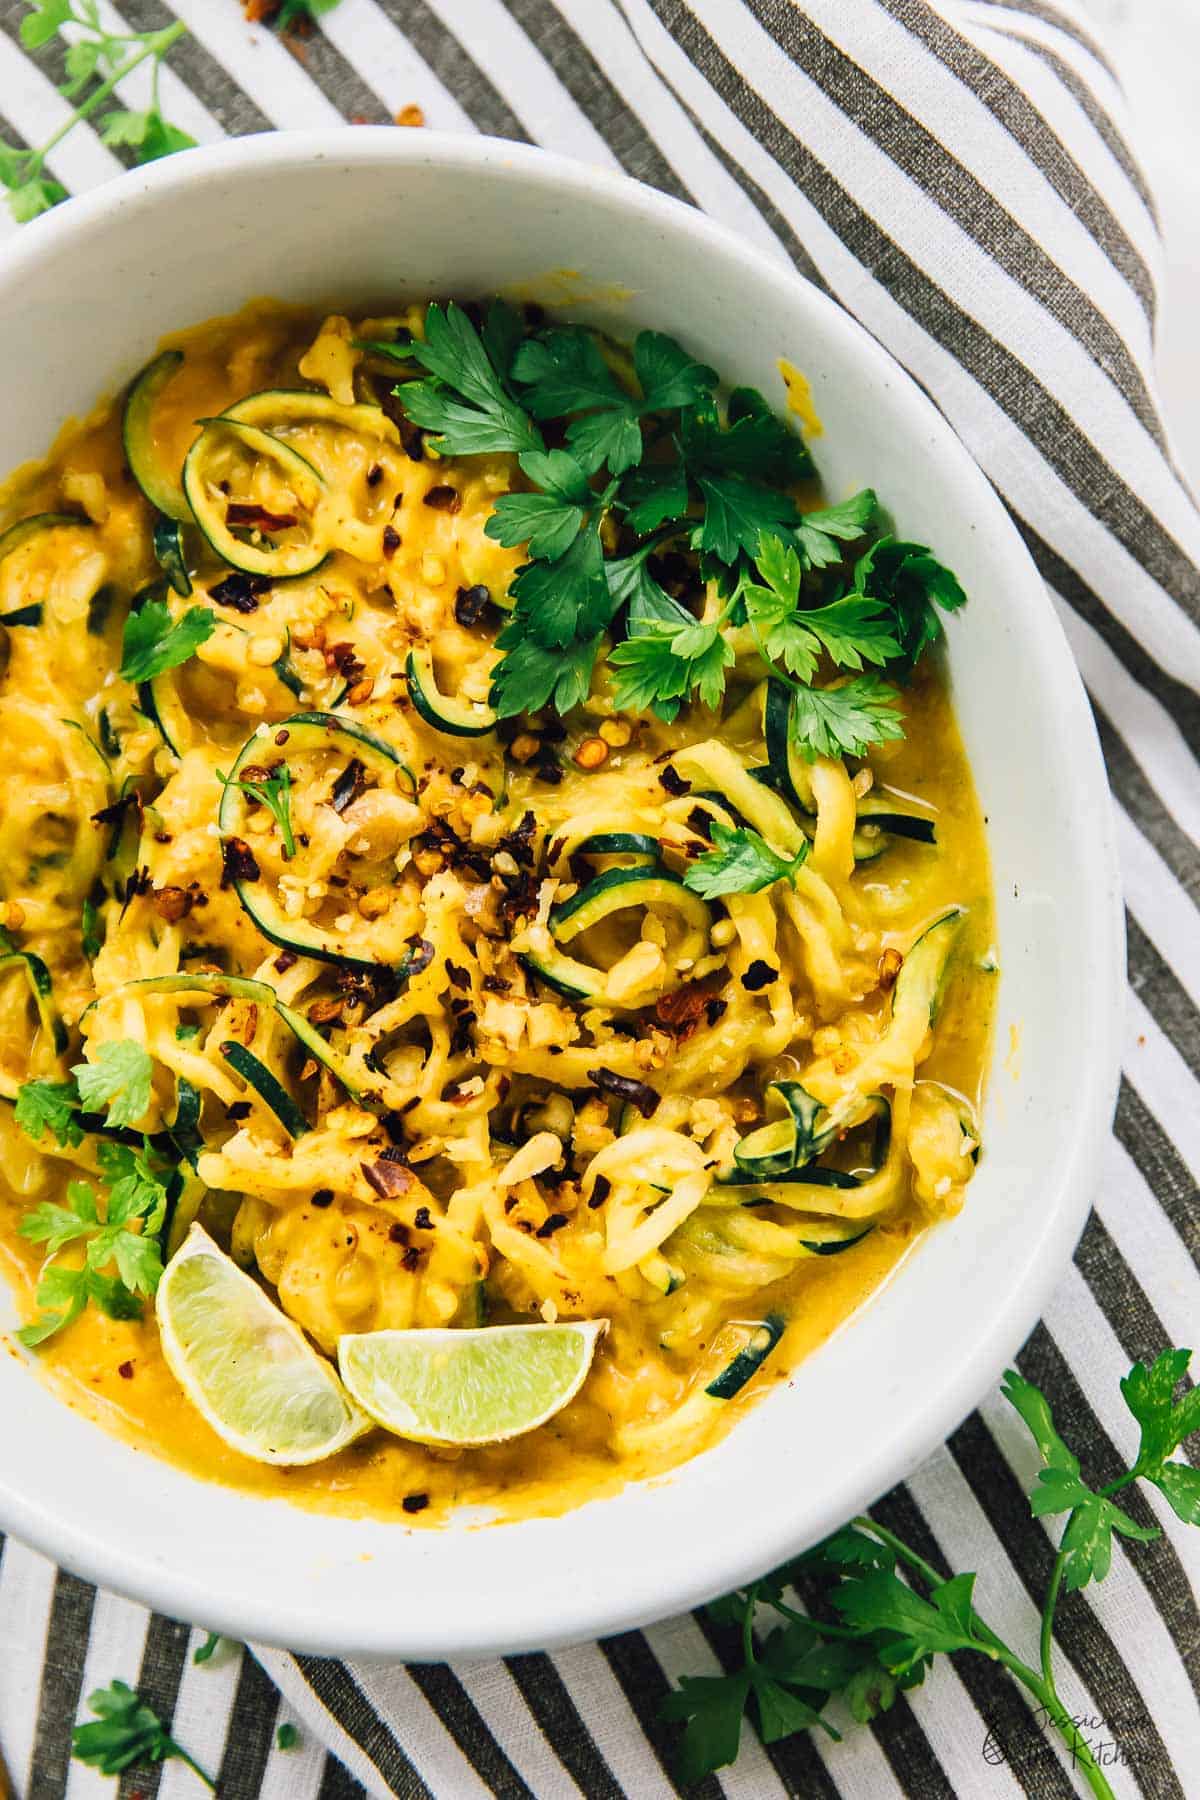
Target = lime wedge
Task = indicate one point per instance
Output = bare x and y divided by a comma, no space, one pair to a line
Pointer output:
244,1365
468,1386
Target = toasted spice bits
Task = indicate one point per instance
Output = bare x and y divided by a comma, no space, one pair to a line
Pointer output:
323,1197
238,862
250,515
681,1010
391,540
374,475
388,1178
175,903
443,498
638,1093
673,781
238,1110
344,658
415,1503
760,974
240,591
125,1371
549,1226
888,968
591,753
349,785
475,606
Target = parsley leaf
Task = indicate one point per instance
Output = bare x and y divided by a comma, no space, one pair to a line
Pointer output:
1165,1424
207,1650
653,494
820,534
153,643
119,1078
851,630
286,1737
741,862
467,404
712,1707
125,1235
661,663
736,514
564,371
53,1104
559,602
1087,1541
549,521
845,720
530,675
916,1628
126,1732
914,585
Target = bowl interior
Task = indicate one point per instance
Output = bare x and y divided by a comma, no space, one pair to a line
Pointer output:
356,220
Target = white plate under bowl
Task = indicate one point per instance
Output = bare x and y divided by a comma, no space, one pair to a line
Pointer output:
360,219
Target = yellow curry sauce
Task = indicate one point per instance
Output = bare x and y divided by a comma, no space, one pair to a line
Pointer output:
357,1224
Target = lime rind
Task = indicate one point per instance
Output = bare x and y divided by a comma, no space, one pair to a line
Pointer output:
465,1388
246,1367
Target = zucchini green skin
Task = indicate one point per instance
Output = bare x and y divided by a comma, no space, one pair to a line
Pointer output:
747,1362
19,534
922,976
564,975
453,717
245,987
299,406
185,1196
788,770
835,1246
167,542
778,1148
309,730
618,888
621,843
282,562
271,1092
715,768
182,1137
161,489
158,700
42,989
886,822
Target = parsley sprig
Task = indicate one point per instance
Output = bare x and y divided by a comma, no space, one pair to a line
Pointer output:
741,862
867,1615
121,1260
154,642
274,792
93,54
126,1732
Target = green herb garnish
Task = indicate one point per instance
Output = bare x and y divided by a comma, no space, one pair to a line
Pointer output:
741,862
92,54
126,1732
207,1650
275,793
286,1737
49,1104
154,642
876,1613
119,1077
121,1255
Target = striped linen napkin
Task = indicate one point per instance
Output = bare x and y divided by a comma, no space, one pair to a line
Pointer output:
958,175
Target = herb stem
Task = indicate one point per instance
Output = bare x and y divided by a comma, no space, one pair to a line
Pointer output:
179,1751
156,46
1047,1641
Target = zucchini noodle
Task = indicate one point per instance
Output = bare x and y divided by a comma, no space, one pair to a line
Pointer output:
450,1037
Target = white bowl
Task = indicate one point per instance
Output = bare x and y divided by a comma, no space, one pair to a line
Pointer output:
356,219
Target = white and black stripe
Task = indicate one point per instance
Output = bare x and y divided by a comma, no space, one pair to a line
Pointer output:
960,174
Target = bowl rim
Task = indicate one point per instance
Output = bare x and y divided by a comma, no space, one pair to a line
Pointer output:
730,1559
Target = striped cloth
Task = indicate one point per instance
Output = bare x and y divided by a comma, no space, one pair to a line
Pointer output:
958,175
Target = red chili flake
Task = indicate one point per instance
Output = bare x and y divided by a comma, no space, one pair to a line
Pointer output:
443,498
422,1219
459,976
125,1371
237,862
388,1178
344,658
475,606
415,1503
281,737
323,1197
391,540
411,1260
374,475
601,1191
240,591
760,974
681,1010
250,515
714,1010
398,1233
495,984
287,959
174,903
673,781
554,1223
